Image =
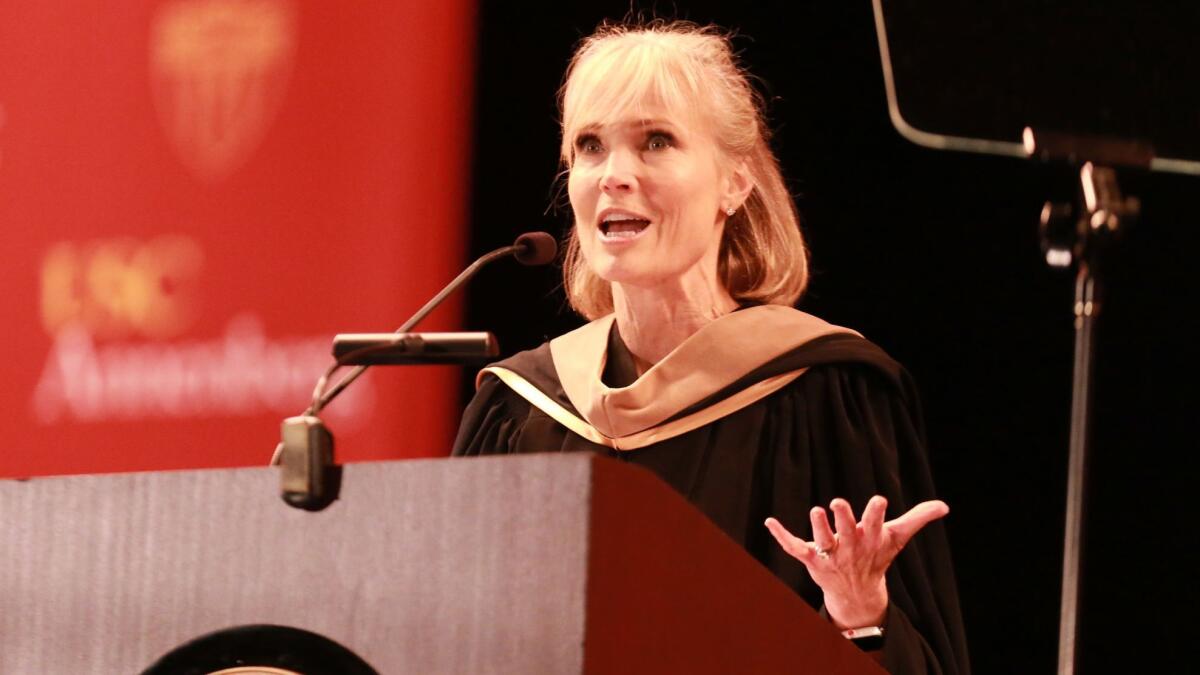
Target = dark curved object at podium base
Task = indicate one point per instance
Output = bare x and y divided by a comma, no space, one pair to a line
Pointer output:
263,645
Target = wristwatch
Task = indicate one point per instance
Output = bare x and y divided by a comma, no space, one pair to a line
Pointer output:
867,638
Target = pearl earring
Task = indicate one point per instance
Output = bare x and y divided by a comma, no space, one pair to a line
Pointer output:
730,211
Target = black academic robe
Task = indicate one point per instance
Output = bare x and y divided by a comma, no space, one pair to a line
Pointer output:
849,427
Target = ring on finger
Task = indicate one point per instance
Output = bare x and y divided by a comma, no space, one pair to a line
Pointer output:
823,553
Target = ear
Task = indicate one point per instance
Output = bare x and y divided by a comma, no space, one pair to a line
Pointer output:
738,186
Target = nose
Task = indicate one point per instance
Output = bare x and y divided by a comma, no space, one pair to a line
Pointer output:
620,172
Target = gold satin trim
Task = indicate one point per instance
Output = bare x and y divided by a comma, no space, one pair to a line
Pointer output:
713,358
641,439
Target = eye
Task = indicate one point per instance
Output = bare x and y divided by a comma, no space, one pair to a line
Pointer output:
588,144
659,140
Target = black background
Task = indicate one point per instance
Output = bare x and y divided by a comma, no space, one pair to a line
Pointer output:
935,257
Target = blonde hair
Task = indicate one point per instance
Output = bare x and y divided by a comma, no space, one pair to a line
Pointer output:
691,69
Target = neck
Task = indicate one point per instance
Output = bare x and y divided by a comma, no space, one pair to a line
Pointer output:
654,320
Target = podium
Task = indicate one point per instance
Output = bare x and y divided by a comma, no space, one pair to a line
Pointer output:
527,564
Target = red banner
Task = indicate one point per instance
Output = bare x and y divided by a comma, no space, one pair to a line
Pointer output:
195,195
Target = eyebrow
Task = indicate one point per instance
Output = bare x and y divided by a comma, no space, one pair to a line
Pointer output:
645,122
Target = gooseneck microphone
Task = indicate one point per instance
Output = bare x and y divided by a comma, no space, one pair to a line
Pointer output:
310,478
531,248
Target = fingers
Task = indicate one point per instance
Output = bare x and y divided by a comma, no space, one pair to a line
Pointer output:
824,538
871,527
871,534
822,533
847,527
795,546
903,528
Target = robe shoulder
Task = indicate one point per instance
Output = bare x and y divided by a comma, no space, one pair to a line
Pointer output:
536,366
497,416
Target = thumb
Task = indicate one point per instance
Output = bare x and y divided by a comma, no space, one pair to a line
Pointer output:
906,526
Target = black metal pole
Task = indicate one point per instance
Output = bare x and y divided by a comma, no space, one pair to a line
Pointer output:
1087,309
1104,214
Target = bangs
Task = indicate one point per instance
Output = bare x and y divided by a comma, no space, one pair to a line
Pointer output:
621,81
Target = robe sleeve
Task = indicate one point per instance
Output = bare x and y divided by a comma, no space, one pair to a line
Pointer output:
493,421
852,431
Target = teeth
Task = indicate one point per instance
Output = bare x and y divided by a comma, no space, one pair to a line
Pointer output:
622,234
623,229
622,225
621,215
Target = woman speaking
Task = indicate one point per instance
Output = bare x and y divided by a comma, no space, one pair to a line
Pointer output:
686,256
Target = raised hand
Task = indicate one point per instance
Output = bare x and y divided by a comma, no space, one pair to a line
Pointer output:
850,564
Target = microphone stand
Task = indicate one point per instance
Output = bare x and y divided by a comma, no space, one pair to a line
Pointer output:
320,400
310,479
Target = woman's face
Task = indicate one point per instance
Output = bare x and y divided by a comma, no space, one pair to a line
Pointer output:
649,193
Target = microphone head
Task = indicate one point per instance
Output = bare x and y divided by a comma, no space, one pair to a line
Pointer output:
535,248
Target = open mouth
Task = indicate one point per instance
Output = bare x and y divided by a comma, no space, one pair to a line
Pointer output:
624,228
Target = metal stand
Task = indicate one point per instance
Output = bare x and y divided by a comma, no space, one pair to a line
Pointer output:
1084,240
1071,235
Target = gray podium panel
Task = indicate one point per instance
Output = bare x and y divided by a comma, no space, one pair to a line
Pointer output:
423,566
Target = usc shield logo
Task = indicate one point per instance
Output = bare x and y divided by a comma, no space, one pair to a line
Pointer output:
218,70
